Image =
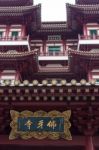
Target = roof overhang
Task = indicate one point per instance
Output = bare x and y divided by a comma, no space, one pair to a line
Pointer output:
77,15
16,3
86,2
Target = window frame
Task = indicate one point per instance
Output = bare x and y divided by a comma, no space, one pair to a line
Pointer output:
54,52
54,37
14,32
91,30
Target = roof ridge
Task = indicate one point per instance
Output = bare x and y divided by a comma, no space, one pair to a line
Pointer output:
13,7
16,2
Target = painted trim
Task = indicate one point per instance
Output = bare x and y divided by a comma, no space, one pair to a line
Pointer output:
43,58
95,76
93,41
13,43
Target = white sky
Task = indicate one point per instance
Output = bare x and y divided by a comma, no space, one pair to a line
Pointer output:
53,10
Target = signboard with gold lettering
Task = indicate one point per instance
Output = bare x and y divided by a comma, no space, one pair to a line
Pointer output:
40,125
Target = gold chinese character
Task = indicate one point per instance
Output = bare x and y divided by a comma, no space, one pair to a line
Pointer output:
52,124
40,124
28,124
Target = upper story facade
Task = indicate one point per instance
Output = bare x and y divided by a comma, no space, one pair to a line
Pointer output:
20,23
22,32
17,20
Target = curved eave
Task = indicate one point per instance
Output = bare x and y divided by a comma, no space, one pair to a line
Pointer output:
16,3
52,30
84,54
83,11
19,10
52,27
87,2
11,56
83,8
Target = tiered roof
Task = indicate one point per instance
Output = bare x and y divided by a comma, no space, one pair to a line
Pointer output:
85,2
81,13
7,3
16,55
22,62
84,9
53,27
85,54
18,11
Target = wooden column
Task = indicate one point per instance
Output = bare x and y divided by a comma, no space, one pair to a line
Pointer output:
89,143
7,31
64,46
85,30
23,31
44,47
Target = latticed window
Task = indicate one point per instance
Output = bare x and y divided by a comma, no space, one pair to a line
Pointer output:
1,34
54,37
15,33
54,50
97,80
93,32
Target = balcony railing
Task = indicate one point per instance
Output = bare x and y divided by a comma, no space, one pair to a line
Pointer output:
53,54
54,69
13,38
10,38
15,41
88,37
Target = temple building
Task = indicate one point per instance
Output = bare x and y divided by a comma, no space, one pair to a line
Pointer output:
50,66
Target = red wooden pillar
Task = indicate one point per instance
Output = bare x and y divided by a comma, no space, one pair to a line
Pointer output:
7,31
23,31
44,47
85,30
89,143
64,46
